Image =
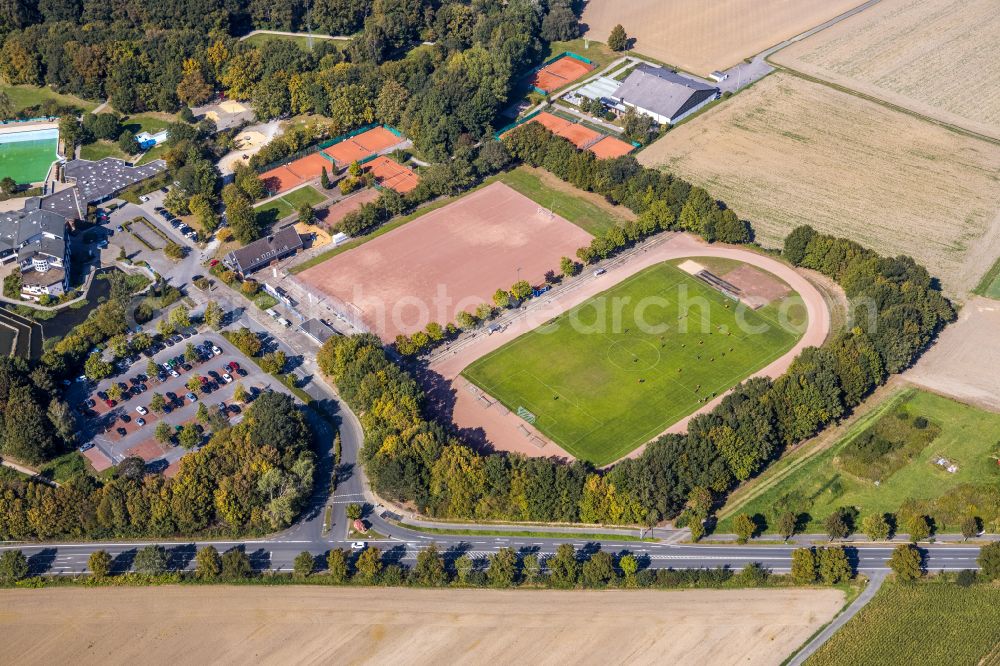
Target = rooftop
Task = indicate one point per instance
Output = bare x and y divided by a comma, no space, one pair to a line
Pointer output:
660,90
264,250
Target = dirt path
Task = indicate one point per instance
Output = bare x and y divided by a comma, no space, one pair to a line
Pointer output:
282,625
506,431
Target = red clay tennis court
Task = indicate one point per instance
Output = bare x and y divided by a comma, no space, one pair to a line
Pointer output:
450,259
583,137
559,73
283,178
363,145
393,175
337,211
610,147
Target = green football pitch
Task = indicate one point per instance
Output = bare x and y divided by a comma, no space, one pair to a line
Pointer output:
599,384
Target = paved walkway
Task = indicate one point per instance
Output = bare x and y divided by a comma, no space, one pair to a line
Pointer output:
875,582
505,431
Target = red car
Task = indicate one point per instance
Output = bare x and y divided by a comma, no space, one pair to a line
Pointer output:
234,366
203,380
213,263
110,403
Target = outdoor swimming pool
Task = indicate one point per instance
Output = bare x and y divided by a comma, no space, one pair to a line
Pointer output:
27,155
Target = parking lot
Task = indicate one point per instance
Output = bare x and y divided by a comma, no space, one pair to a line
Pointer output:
118,429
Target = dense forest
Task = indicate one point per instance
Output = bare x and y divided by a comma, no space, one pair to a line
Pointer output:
160,56
252,478
412,457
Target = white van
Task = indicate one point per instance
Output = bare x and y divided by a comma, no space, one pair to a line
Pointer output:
284,322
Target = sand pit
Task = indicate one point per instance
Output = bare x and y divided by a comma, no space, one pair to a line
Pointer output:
703,36
282,625
248,143
448,260
557,74
232,106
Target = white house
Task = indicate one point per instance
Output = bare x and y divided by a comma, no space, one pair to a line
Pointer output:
664,95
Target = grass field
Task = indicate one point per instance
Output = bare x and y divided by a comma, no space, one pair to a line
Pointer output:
989,286
25,96
928,623
703,36
967,437
787,152
935,57
600,387
586,210
288,205
98,150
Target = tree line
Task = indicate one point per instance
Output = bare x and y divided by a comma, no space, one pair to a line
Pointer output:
252,478
412,457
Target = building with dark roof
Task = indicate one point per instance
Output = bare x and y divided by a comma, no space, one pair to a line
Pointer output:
263,251
35,236
665,96
318,330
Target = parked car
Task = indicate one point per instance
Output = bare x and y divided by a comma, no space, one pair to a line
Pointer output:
174,373
122,431
191,396
216,350
86,447
227,377
125,418
140,422
358,545
142,410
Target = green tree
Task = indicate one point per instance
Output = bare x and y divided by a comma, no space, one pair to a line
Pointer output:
786,525
502,570
501,298
531,568
618,40
273,362
598,571
236,565
429,570
246,341
306,214
563,567
834,567
213,315
836,526
189,436
63,420
875,526
353,511
97,368
174,251
151,560
369,566
919,528
989,561
152,368
355,169
13,566
27,433
180,317
336,565
520,290
464,567
971,526
744,526
157,402
630,567
190,353
804,566
906,562
163,432
6,106
99,563
208,563
324,179
568,267
304,564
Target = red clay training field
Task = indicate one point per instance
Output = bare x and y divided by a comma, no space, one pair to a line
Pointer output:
583,137
448,260
283,178
392,174
557,74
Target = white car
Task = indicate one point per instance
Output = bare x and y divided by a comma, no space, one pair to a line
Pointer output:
144,198
140,422
226,376
216,350
358,545
173,373
142,410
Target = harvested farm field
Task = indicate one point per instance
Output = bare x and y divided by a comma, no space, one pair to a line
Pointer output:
314,624
788,152
935,57
703,36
